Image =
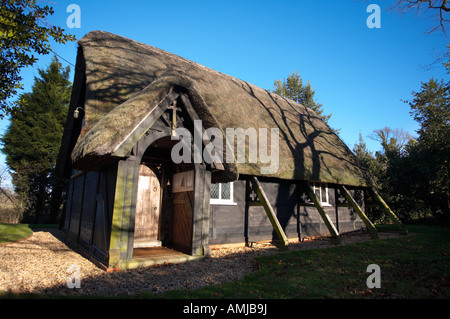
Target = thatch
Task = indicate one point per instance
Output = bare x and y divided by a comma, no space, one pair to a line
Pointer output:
126,80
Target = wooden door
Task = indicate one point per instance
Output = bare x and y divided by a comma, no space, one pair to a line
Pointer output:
183,203
148,208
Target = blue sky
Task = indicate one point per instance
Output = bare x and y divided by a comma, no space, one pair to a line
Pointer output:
360,74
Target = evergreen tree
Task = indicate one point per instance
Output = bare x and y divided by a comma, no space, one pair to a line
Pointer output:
294,89
24,32
431,109
412,175
367,160
32,141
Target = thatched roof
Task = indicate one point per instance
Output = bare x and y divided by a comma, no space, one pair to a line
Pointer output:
126,80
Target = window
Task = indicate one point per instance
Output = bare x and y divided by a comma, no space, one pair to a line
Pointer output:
222,194
321,191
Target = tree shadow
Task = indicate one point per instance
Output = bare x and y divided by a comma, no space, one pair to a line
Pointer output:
225,265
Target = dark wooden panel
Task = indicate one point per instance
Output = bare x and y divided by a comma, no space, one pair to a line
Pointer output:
101,215
313,229
109,192
227,215
228,222
99,238
182,221
68,211
77,204
89,205
103,210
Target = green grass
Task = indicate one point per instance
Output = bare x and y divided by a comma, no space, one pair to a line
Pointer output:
415,266
13,232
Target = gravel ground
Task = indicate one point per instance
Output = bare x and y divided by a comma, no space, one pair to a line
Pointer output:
41,264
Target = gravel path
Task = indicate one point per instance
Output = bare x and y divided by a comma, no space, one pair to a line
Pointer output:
41,264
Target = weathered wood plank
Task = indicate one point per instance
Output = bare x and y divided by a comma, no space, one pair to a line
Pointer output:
89,205
147,219
370,227
182,221
336,208
77,205
331,228
122,222
270,213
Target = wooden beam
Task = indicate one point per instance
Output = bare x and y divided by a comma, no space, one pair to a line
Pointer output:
270,213
122,223
336,207
139,131
333,231
193,115
388,211
173,107
370,227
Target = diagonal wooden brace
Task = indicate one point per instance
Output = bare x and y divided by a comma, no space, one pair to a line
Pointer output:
270,213
388,211
370,227
331,228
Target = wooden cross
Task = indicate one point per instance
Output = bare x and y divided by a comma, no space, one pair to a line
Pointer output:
253,196
341,199
173,107
305,198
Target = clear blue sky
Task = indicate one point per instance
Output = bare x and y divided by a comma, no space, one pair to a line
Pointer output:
359,74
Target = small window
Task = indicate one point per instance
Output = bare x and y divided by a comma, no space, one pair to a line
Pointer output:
321,192
222,194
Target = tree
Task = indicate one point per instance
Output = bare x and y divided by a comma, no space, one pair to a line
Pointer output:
431,109
31,142
397,175
441,8
23,33
390,171
294,89
412,175
367,160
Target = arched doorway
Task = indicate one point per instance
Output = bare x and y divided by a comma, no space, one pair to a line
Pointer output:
164,211
148,209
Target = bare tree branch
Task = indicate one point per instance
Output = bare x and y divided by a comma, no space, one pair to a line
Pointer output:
441,8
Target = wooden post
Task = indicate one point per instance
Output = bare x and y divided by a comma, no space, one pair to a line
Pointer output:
122,228
333,231
336,207
388,211
370,227
200,214
270,213
174,117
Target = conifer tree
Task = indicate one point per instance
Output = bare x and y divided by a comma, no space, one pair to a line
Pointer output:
31,142
294,89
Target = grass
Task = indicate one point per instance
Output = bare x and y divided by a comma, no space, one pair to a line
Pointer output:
13,232
412,267
415,266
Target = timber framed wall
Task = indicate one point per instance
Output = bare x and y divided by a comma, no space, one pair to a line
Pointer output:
101,207
89,210
241,223
121,116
